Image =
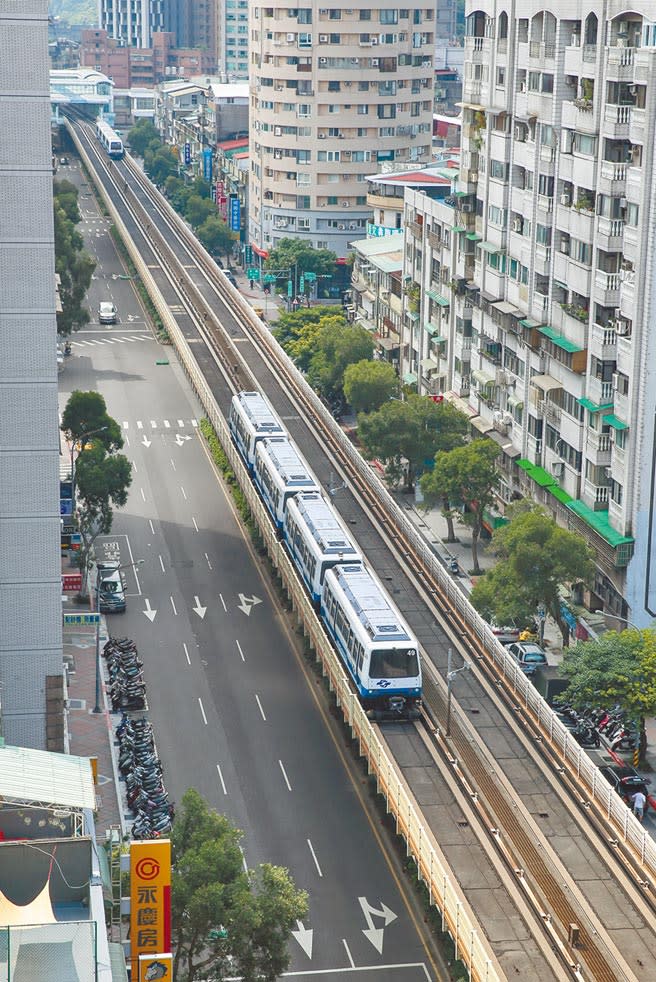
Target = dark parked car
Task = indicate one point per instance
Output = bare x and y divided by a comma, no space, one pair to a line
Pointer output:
111,588
626,781
529,656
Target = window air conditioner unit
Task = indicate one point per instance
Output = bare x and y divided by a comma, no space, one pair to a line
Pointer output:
566,199
517,224
615,380
621,328
375,62
346,204
618,313
467,206
522,86
278,131
291,37
623,204
473,177
322,136
374,40
341,227
323,39
519,133
557,468
564,246
323,61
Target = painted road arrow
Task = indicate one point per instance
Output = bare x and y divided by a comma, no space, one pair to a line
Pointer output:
199,610
146,442
149,612
247,603
304,937
180,439
371,933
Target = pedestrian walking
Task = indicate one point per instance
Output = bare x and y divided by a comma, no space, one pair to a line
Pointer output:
639,802
251,284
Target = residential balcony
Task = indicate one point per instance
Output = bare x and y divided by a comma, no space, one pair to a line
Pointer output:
620,64
595,496
598,448
610,234
644,64
607,288
577,56
550,412
547,157
626,295
638,126
576,276
616,121
415,229
580,116
435,242
612,177
542,259
600,392
630,243
634,183
578,223
539,104
545,204
478,50
472,89
603,342
542,53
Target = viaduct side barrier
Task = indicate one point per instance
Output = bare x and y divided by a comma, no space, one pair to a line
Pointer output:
458,919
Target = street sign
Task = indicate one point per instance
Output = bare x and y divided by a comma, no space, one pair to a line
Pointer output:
187,153
248,254
71,582
269,278
290,288
301,284
92,618
235,213
253,273
310,277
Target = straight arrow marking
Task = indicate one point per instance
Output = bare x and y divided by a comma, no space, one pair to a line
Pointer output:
199,610
304,937
149,612
146,442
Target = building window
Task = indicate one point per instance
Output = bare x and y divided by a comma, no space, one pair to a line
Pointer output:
501,75
389,16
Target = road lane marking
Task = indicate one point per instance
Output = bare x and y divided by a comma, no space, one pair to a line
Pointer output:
173,605
172,462
186,653
167,425
194,521
184,493
314,858
202,711
349,955
222,600
134,467
243,858
284,774
359,968
127,441
240,651
260,707
139,425
161,562
142,494
152,528
225,791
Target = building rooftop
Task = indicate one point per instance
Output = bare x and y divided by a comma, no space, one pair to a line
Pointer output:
413,178
53,780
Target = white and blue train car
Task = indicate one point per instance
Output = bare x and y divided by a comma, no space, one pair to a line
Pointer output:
280,473
374,642
316,539
110,140
251,420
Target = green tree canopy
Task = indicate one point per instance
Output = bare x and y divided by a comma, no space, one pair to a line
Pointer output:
74,266
226,921
338,345
466,476
536,557
160,163
102,479
369,384
290,326
142,136
85,413
199,209
290,253
215,235
617,668
411,432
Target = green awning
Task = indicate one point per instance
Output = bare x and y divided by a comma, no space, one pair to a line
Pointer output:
438,298
525,465
482,379
598,520
616,423
458,228
409,378
413,316
592,407
559,493
461,194
434,332
530,323
473,236
489,247
542,477
514,402
559,340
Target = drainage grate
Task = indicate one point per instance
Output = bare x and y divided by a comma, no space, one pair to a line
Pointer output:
543,814
77,704
462,823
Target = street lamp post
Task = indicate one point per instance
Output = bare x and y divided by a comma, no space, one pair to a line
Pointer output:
450,676
97,708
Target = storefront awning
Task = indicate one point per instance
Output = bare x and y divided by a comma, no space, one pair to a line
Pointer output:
546,383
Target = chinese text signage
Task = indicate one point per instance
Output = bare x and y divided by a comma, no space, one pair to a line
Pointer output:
150,899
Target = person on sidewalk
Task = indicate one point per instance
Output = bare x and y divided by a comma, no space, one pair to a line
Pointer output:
639,802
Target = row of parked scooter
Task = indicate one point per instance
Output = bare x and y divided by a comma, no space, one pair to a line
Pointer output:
139,763
596,726
127,688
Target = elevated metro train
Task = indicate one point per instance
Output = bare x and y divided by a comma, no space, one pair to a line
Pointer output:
110,140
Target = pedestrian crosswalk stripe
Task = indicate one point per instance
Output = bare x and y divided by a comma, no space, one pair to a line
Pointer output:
180,423
153,424
167,425
194,422
125,425
139,425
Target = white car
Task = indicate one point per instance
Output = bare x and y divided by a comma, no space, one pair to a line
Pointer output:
107,313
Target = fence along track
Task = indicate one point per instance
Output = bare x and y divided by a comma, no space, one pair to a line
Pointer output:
457,917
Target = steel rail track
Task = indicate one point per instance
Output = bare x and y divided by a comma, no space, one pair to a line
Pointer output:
240,377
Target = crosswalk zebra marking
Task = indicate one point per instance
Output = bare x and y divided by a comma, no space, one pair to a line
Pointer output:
167,425
139,425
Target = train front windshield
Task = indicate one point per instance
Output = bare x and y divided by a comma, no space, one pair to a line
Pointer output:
394,663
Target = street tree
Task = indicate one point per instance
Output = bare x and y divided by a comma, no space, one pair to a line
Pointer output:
291,324
536,558
198,209
296,256
338,345
226,921
86,413
406,435
467,477
369,384
160,163
215,235
618,668
142,136
74,266
102,479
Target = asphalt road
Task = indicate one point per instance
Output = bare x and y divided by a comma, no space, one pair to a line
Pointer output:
233,713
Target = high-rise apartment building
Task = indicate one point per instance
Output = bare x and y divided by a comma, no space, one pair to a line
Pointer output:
132,21
31,676
336,94
542,264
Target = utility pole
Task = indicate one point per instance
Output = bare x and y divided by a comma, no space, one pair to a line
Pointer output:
450,677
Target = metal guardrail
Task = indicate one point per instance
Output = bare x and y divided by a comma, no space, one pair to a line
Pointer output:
458,919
